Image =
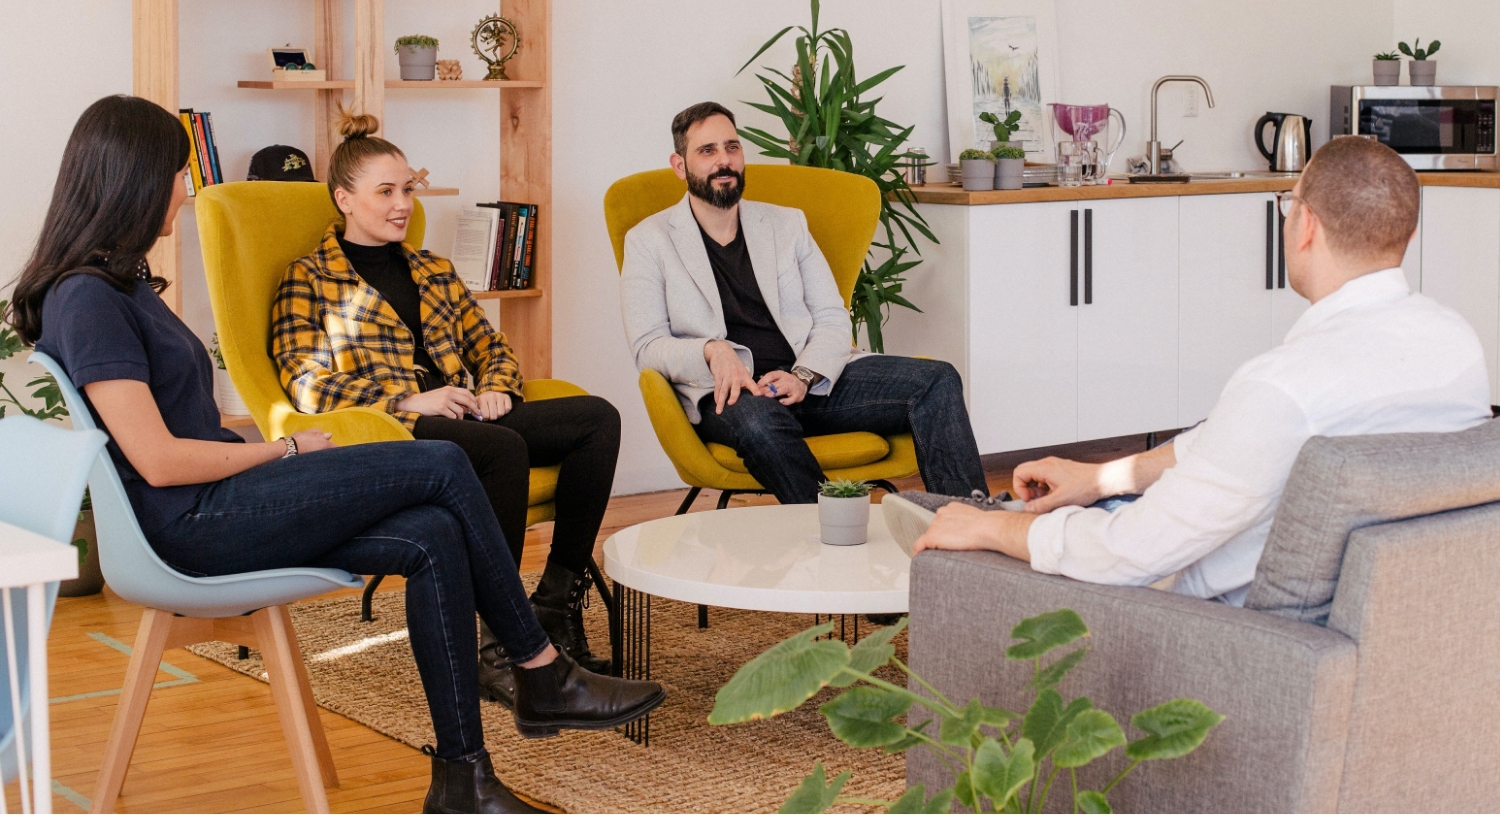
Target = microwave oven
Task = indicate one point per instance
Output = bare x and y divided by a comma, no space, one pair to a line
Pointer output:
1438,127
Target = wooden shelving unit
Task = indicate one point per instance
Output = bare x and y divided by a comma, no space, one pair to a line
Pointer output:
525,130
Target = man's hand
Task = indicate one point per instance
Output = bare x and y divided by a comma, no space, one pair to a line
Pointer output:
311,441
493,405
448,402
785,387
964,528
1054,482
730,376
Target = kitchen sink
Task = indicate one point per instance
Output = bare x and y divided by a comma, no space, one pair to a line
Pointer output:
1242,174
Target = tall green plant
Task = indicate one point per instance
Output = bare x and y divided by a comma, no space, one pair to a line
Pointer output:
1001,761
831,123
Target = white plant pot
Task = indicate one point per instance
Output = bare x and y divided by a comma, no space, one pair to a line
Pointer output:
417,63
844,521
1422,71
230,403
1010,173
1387,71
978,174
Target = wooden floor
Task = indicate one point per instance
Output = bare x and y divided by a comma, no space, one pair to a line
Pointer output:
211,741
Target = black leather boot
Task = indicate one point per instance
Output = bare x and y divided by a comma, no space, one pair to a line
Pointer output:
558,601
496,681
564,695
469,786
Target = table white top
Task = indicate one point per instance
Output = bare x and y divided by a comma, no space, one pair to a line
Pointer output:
27,558
761,558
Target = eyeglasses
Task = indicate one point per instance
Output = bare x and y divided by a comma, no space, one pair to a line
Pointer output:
1284,203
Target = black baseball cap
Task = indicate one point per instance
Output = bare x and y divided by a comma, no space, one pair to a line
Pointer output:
280,162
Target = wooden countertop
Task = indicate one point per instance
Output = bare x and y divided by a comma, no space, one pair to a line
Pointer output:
949,194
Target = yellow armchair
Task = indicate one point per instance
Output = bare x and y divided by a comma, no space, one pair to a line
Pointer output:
842,212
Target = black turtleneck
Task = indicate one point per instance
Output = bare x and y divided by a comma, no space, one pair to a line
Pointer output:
386,270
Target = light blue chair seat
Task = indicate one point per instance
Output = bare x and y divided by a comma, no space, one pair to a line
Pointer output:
182,610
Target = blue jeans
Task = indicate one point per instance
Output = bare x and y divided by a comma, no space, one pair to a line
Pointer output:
410,508
877,394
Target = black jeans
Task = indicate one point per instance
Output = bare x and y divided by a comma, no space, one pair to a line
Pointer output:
581,433
407,508
878,394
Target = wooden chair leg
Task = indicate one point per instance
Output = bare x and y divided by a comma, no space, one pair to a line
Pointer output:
150,643
278,647
315,724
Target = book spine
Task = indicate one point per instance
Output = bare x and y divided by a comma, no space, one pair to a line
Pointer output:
186,115
202,144
530,246
500,236
213,147
513,216
515,260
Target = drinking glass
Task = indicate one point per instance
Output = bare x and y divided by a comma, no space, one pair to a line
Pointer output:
1070,159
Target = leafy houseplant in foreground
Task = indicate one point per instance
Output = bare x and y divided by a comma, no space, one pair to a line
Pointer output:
1001,761
831,123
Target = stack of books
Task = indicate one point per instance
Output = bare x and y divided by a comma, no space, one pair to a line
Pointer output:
203,158
494,246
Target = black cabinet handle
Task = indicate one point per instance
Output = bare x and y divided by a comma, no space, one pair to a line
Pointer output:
1270,243
1088,257
1280,252
1073,261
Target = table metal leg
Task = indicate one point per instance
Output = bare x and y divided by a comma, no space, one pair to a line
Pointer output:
41,743
633,649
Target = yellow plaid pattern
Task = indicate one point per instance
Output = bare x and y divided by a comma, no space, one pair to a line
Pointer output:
337,342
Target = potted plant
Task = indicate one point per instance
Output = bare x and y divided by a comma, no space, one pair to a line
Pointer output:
1387,68
1002,760
418,55
978,168
230,403
90,578
1423,70
1010,166
844,512
1002,127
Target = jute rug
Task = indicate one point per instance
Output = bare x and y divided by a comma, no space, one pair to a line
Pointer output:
365,671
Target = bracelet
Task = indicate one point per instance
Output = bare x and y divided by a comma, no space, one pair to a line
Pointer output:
291,447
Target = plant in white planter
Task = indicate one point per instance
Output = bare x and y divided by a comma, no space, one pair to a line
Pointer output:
844,512
225,394
1010,166
978,169
1387,68
418,56
1003,127
1423,69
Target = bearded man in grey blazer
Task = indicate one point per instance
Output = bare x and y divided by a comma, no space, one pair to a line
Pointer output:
734,304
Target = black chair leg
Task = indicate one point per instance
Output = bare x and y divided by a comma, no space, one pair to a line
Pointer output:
364,602
611,611
881,483
688,501
243,653
724,497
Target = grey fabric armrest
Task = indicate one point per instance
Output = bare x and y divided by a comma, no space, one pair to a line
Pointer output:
1285,687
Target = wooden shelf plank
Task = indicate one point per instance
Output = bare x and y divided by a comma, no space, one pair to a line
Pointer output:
432,191
450,84
225,420
302,85
507,294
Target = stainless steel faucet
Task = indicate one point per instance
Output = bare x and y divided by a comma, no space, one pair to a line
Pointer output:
1153,147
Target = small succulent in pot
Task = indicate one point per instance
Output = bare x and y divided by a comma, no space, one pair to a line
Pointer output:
1387,68
845,488
978,169
1003,127
1423,68
973,154
1008,151
1388,55
844,512
1416,52
418,56
416,42
1010,166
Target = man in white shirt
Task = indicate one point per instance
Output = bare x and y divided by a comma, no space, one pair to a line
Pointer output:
1369,356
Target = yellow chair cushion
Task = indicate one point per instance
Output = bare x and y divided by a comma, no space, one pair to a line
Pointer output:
833,452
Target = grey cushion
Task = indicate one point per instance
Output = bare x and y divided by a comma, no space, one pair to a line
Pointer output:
1338,485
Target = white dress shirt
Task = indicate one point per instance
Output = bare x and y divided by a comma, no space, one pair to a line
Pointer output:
1373,357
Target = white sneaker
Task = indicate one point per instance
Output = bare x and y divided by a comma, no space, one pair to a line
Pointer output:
908,514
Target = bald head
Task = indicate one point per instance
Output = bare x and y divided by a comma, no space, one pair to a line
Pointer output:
1366,197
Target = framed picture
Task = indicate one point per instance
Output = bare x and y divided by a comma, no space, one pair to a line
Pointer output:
1000,56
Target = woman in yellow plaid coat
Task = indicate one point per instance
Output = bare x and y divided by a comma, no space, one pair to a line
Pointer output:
366,320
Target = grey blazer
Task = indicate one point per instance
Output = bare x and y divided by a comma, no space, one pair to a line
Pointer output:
672,309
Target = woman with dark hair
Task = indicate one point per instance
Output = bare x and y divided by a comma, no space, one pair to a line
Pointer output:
369,321
211,504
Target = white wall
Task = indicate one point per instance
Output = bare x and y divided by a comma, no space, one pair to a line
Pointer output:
622,69
1466,29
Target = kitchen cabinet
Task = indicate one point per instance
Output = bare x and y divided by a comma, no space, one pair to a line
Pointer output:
1460,250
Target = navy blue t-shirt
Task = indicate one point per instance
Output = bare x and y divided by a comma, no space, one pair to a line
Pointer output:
99,333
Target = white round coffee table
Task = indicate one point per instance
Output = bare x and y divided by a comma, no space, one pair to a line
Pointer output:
766,558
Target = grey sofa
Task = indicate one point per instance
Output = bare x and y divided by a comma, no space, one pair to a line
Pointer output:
1362,675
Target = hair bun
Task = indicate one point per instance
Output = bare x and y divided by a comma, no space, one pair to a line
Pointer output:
357,126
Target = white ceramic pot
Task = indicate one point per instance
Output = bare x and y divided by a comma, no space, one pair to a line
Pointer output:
844,521
1387,71
230,403
1010,173
978,174
1422,71
417,63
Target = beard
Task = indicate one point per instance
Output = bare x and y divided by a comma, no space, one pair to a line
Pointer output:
704,189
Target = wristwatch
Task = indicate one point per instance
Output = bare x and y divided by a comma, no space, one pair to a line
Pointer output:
807,375
291,447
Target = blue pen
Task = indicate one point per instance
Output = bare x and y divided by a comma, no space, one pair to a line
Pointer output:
772,387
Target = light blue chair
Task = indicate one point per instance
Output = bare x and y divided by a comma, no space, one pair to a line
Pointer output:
43,468
245,609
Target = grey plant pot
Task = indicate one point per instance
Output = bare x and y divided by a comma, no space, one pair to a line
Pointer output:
1387,71
417,63
90,578
1009,173
844,521
1422,71
978,174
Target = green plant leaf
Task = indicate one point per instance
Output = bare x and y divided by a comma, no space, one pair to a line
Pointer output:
915,800
999,776
963,790
1047,720
1091,734
861,717
764,48
910,740
1176,729
959,730
1092,802
998,716
1044,632
1052,674
782,678
1433,47
815,794
872,652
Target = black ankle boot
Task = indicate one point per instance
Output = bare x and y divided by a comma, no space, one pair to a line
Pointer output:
558,601
564,695
496,681
469,786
